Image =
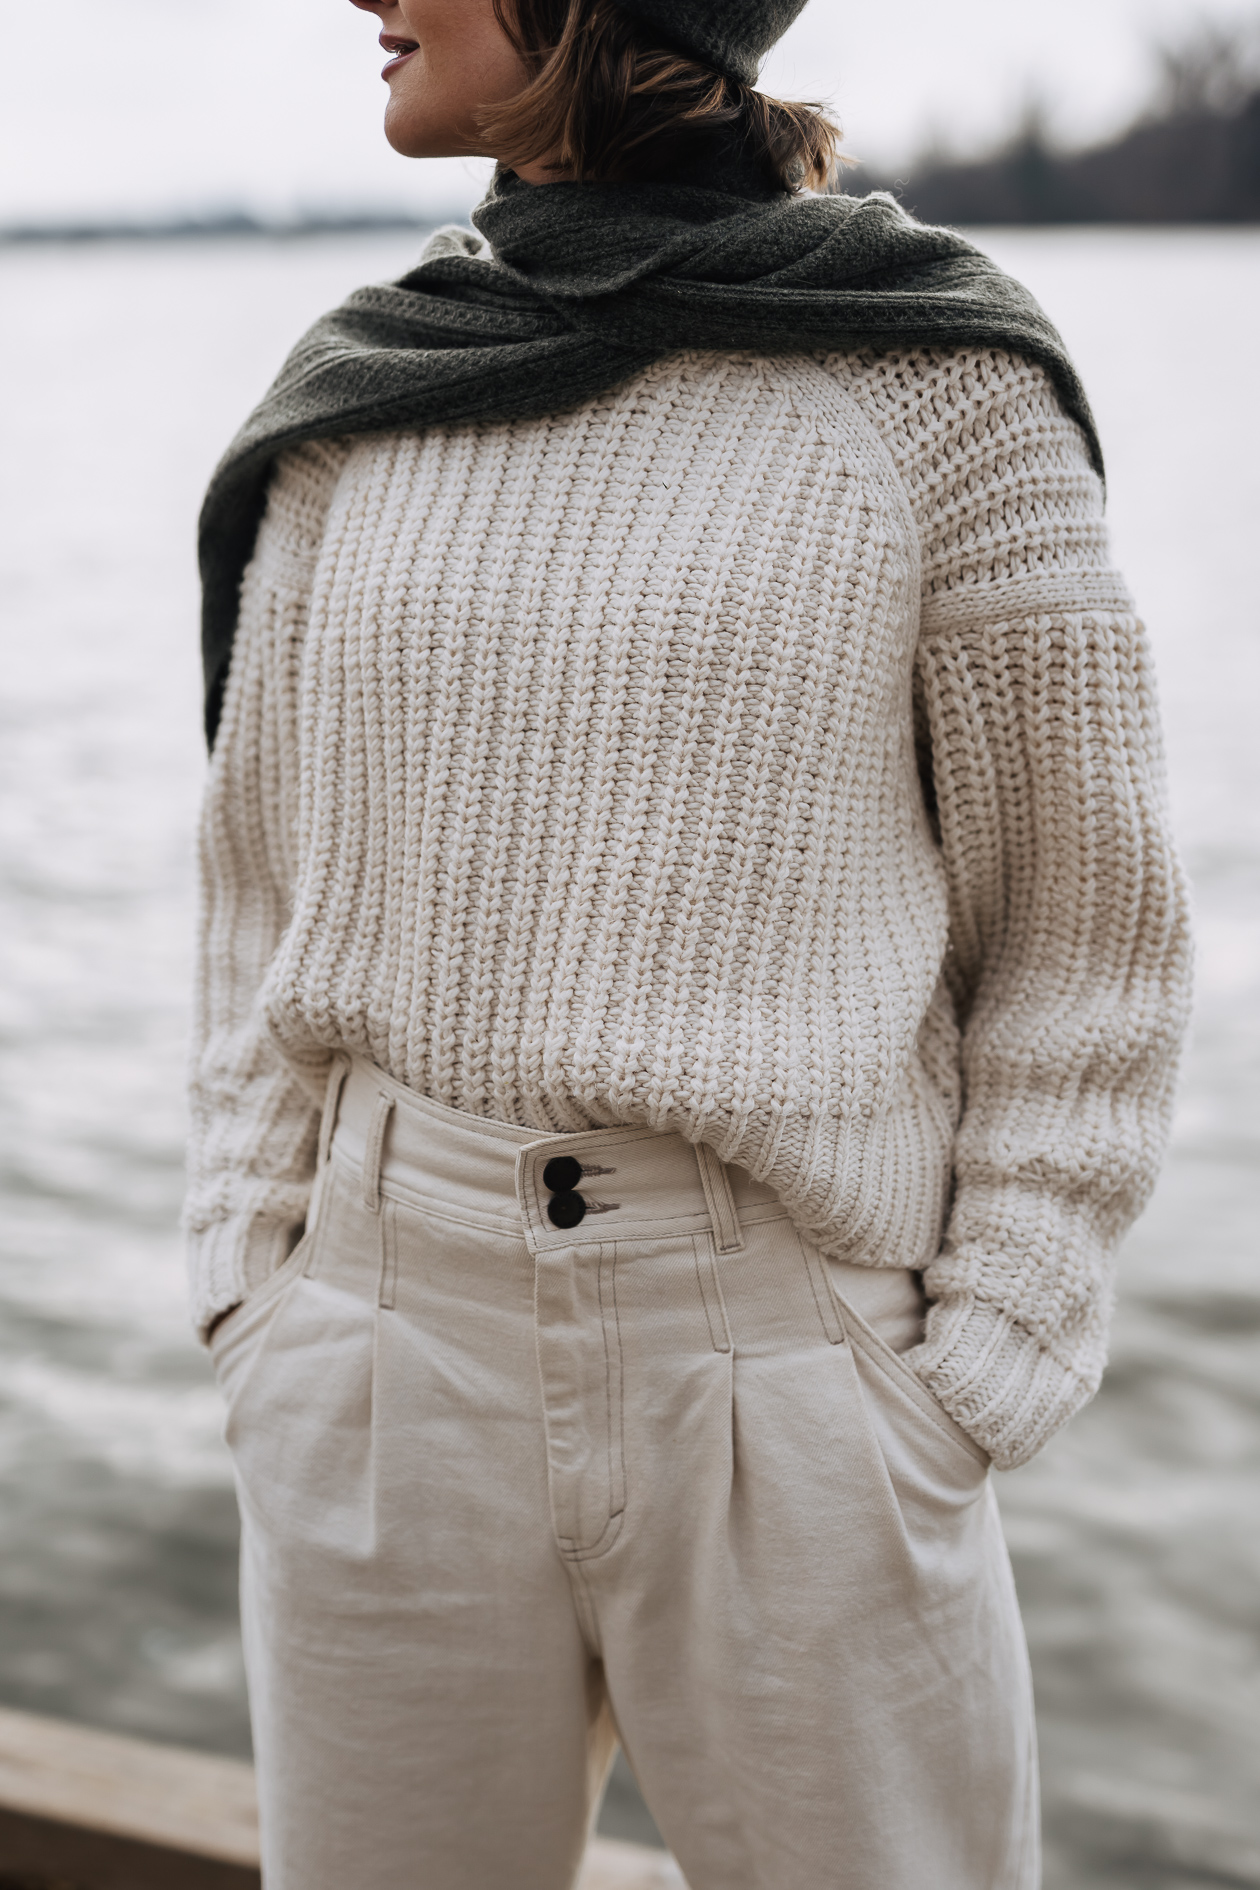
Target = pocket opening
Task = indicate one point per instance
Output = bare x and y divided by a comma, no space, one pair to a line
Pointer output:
296,1263
894,1367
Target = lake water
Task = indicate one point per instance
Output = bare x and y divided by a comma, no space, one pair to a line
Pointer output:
1136,1536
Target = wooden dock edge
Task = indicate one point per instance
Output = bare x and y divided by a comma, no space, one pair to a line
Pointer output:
97,1811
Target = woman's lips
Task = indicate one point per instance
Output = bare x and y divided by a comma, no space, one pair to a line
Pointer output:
402,50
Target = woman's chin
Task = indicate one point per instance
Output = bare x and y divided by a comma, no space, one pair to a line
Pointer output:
403,133
414,135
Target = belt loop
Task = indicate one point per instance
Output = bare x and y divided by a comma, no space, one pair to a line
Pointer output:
337,1074
332,1098
382,1109
717,1192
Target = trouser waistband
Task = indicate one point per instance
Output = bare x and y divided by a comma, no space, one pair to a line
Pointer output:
562,1190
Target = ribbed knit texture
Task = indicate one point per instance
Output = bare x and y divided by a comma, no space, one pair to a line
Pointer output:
572,770
732,35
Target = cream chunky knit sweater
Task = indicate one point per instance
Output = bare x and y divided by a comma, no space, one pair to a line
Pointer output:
765,750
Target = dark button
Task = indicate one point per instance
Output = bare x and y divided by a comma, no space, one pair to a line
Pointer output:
565,1210
562,1175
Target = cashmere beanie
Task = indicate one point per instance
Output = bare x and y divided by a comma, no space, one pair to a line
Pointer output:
733,36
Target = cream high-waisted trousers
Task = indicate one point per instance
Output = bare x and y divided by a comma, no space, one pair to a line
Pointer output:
514,1490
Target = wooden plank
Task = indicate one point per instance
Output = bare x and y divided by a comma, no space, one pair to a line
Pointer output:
40,1851
189,1803
97,1811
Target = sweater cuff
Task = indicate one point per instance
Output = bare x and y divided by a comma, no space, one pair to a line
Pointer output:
230,1259
996,1380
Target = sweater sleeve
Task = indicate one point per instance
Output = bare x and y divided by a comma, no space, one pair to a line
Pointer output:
1069,957
254,1126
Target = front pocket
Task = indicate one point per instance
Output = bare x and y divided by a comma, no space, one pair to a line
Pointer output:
242,1315
907,1383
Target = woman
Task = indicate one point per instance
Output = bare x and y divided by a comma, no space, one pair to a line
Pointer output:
691,974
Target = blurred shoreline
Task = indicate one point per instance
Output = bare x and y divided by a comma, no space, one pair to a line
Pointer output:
230,224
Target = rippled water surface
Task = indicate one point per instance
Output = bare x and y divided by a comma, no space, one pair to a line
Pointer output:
1136,1535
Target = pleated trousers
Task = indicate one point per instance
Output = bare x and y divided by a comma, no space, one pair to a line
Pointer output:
513,1491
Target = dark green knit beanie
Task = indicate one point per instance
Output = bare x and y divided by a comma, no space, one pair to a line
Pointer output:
733,36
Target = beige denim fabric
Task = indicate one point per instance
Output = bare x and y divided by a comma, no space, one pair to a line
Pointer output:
511,1492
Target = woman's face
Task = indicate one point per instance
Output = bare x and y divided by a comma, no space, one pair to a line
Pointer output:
447,60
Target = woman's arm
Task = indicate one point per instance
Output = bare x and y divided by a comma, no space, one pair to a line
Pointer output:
1070,970
1070,955
254,1126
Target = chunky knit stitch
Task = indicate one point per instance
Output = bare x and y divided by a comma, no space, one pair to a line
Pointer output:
765,750
567,290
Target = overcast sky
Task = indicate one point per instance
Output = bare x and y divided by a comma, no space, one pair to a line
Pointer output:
142,107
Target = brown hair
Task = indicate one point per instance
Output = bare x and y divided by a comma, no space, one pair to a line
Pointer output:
605,104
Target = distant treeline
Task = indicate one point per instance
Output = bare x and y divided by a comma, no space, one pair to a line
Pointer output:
1193,156
1202,168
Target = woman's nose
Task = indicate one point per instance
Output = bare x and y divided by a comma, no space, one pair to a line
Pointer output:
369,6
